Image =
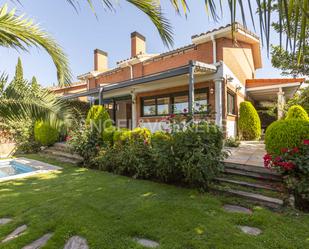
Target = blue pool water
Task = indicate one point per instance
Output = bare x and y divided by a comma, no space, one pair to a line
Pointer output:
11,168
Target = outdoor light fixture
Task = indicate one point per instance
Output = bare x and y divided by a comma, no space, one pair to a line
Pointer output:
212,91
229,78
238,88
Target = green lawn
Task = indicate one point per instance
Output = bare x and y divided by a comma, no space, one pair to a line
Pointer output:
110,210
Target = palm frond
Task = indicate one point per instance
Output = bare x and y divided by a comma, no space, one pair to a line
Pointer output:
21,103
20,32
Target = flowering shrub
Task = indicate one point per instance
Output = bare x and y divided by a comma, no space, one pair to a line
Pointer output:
293,164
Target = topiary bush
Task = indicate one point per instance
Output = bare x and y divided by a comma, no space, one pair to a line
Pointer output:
285,134
249,122
297,112
108,134
98,117
45,134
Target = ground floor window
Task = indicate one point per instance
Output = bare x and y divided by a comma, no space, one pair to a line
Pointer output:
177,103
231,103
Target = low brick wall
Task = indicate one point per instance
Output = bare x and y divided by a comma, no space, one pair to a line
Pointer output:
6,149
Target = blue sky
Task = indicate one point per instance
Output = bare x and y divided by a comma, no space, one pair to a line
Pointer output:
80,33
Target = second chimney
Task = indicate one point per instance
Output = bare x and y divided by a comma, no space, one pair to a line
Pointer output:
100,60
138,44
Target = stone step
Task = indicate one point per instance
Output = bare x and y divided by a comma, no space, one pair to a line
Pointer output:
63,154
270,202
250,168
256,175
261,185
60,159
37,244
61,146
16,233
4,221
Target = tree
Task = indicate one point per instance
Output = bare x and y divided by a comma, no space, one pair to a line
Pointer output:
19,32
291,63
19,71
18,104
34,84
265,11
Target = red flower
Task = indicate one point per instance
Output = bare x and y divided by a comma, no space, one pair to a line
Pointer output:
306,142
286,165
295,150
172,116
267,160
284,150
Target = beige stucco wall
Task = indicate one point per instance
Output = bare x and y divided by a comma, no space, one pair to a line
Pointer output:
240,61
6,149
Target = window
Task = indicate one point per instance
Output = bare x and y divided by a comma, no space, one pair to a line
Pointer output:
174,103
231,103
181,104
201,101
149,107
163,105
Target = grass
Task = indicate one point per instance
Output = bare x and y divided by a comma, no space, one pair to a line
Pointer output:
110,210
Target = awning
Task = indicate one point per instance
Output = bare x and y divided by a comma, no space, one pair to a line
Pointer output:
200,68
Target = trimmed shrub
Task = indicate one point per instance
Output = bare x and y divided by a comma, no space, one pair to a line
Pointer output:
45,134
249,122
285,134
99,117
297,112
143,134
162,153
121,135
108,134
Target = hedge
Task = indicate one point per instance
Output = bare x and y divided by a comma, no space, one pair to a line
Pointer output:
285,134
249,122
297,112
45,134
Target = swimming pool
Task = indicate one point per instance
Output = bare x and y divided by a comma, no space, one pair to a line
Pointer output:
22,167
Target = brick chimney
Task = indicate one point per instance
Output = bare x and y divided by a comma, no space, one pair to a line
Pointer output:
100,60
138,44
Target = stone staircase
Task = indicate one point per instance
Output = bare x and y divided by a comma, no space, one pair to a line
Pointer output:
244,176
61,152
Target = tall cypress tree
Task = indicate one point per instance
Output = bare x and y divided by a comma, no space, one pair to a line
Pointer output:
34,84
19,71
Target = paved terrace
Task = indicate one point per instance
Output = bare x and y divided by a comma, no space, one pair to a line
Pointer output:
248,153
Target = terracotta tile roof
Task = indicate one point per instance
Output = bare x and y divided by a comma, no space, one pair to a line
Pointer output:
237,26
274,81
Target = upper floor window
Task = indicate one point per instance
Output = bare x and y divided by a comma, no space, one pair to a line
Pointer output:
231,103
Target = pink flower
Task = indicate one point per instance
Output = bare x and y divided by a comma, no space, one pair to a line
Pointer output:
306,142
295,150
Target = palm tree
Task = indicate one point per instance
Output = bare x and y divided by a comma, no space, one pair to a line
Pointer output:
19,101
19,32
244,8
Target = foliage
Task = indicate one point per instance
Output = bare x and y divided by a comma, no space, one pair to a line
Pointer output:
297,112
19,102
249,122
163,156
293,163
98,118
19,72
285,134
108,135
85,141
19,32
192,157
301,98
45,134
232,142
267,114
79,110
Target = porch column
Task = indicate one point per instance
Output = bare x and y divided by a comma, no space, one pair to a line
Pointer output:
133,110
281,103
191,88
218,101
101,91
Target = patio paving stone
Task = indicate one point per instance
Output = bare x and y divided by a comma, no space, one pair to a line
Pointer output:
76,242
16,233
4,221
39,242
146,242
236,209
251,230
